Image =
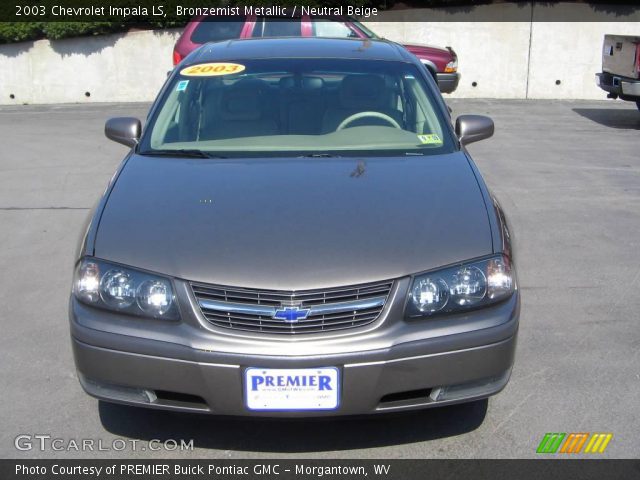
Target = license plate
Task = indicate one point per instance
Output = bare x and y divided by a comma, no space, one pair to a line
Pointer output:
292,389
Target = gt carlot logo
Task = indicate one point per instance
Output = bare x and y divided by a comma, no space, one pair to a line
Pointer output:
574,442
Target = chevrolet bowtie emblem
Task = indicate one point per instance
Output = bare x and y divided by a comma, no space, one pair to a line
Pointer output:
291,314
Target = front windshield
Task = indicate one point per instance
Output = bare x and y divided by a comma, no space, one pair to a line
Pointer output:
290,107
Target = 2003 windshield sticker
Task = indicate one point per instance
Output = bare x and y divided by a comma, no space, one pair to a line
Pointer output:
212,69
430,139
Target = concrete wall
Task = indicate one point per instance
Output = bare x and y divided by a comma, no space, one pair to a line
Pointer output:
498,67
554,57
512,58
503,53
111,68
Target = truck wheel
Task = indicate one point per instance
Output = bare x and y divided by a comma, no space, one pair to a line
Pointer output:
638,104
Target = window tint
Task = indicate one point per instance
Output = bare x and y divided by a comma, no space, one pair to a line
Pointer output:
224,28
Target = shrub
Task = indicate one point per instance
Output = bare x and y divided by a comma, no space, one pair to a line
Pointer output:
19,32
57,30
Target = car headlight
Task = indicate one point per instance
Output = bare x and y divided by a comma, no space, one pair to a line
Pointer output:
452,66
123,289
462,287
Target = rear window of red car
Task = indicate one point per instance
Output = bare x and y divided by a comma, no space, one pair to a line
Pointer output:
277,27
223,28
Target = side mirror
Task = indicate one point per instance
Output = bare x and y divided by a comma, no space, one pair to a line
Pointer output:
124,130
471,128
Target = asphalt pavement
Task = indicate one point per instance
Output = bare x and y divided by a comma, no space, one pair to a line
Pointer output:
566,172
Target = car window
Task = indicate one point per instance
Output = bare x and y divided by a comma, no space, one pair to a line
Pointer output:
327,28
299,106
277,27
364,29
223,28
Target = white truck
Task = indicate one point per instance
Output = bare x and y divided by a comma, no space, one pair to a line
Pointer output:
620,75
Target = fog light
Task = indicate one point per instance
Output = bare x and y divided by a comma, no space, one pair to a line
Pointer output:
116,392
477,388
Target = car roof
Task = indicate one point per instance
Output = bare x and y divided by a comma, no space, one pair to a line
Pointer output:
300,47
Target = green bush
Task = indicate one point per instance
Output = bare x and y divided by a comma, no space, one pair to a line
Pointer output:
11,32
57,30
19,32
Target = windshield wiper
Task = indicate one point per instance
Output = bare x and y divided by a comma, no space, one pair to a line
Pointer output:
181,152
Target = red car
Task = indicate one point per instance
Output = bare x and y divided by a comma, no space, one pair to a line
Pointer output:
441,62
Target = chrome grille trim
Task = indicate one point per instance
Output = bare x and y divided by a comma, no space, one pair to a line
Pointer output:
328,310
325,309
237,308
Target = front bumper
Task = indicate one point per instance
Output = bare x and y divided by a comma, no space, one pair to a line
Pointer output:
470,361
617,86
448,82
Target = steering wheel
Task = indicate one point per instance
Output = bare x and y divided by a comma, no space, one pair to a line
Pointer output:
359,115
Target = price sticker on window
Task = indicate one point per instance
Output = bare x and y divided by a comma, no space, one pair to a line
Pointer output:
430,139
212,69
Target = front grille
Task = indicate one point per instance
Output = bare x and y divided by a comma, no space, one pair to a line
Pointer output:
318,310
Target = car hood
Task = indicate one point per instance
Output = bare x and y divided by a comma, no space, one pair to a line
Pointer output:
294,223
425,47
436,55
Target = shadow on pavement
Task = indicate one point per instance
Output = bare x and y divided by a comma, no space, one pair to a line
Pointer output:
612,117
292,435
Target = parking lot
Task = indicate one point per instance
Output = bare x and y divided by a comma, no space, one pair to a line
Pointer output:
566,172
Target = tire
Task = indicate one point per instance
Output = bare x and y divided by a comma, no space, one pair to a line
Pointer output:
638,104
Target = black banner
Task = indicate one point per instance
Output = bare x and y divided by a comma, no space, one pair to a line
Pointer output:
552,469
167,12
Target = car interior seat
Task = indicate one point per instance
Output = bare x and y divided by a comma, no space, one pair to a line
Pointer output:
302,104
243,109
